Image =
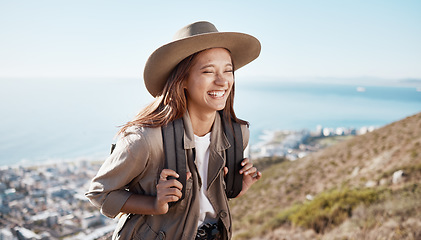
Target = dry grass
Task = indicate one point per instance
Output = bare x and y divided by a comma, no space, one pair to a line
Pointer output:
373,157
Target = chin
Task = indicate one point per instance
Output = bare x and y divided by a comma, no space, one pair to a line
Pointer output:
220,108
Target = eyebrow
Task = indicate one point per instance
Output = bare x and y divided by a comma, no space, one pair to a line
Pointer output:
212,65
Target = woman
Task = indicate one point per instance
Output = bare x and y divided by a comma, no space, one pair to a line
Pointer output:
191,78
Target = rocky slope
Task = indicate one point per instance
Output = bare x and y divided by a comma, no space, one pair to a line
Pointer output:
367,187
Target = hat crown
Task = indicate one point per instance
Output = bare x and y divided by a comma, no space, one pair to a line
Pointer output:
193,29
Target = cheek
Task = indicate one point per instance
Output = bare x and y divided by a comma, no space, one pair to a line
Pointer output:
231,83
195,84
193,89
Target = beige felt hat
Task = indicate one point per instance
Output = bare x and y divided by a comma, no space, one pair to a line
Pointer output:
194,38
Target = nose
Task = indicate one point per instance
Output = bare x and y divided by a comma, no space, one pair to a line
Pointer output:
221,80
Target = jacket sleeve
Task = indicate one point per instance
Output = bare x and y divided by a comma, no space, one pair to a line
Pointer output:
107,190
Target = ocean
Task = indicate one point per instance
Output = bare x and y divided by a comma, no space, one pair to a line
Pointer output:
53,120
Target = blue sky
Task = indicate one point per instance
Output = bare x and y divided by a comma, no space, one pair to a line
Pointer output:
343,39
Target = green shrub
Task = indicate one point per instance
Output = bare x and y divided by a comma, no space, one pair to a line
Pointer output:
281,218
329,208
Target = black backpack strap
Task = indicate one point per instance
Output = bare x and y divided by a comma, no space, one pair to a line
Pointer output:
175,155
234,156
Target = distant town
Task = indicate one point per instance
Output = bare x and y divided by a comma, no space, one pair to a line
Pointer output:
297,144
48,202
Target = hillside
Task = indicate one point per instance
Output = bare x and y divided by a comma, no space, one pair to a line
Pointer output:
342,192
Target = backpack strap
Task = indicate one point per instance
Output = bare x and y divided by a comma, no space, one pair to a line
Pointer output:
234,156
175,155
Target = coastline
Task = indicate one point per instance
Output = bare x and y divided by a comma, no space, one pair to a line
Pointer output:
74,131
52,193
263,140
52,162
293,145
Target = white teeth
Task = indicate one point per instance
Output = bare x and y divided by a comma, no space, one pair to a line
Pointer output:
216,93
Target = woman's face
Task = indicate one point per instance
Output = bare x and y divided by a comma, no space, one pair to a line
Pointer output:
210,81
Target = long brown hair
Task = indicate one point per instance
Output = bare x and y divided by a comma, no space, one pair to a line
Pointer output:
171,103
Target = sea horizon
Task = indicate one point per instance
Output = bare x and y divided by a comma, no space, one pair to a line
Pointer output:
50,120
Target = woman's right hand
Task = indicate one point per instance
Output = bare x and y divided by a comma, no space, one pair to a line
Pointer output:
168,190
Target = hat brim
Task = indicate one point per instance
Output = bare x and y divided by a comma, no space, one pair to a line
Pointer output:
244,48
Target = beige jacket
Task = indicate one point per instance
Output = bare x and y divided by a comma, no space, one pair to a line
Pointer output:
134,168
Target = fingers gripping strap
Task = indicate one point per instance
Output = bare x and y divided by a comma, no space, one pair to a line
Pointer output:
175,157
234,156
181,154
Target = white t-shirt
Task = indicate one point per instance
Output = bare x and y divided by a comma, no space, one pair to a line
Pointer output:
207,212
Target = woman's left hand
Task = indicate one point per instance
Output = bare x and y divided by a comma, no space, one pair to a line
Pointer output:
250,175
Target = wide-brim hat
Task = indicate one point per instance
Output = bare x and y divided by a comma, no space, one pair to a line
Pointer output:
194,38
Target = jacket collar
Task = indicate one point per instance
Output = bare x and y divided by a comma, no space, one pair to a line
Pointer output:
219,140
188,132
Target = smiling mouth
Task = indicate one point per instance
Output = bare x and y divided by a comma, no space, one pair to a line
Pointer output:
217,94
